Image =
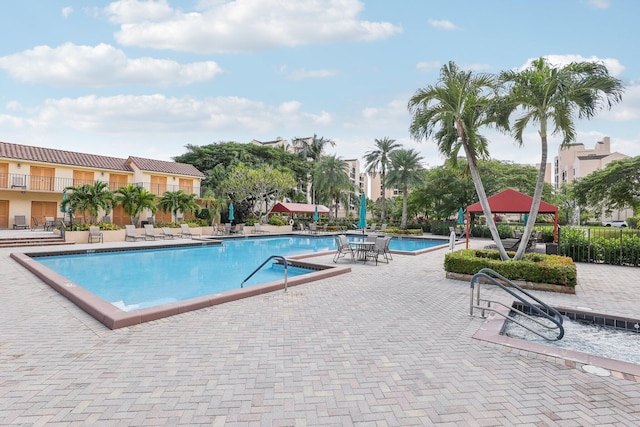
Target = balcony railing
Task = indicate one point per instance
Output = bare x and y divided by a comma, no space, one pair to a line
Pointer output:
50,184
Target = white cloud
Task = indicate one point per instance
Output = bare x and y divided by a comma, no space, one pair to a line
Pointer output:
101,65
303,74
600,4
426,66
242,25
442,24
613,65
66,11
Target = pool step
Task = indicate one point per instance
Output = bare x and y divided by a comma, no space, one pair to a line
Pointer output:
32,241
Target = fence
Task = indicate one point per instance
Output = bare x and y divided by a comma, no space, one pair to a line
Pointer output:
601,245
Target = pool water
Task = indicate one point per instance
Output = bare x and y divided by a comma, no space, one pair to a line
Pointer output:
592,339
133,280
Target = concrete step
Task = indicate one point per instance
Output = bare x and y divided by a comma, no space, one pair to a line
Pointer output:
32,241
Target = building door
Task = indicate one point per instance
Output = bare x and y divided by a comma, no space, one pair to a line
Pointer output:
116,181
4,175
40,210
42,178
158,185
120,217
82,178
4,214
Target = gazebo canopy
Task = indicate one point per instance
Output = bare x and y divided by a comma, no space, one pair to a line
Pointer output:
512,201
303,208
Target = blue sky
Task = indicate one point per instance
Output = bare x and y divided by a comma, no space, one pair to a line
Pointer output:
146,78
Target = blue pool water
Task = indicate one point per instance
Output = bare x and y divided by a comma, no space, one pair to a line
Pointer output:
132,280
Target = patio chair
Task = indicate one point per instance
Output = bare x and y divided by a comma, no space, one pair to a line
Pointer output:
95,235
36,224
387,252
131,233
257,228
227,229
186,231
49,223
20,223
313,228
343,248
377,250
150,233
167,233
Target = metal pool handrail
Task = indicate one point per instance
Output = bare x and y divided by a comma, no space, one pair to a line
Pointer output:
546,312
280,257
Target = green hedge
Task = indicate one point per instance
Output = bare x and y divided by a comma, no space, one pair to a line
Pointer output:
533,267
617,247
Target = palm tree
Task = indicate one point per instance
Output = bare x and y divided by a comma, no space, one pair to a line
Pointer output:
378,159
311,149
178,201
89,199
331,177
134,200
551,97
452,111
405,172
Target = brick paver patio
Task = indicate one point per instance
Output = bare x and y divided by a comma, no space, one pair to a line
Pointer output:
386,345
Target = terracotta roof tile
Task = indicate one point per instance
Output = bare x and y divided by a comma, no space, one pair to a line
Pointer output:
72,158
166,167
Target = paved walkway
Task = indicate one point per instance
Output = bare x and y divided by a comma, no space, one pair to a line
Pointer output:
383,346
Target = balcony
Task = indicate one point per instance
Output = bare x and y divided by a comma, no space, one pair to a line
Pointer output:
49,184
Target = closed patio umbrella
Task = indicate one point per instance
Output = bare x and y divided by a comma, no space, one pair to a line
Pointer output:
231,218
315,214
460,216
362,222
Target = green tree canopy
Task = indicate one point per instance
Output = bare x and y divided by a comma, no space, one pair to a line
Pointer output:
617,186
331,179
89,199
178,201
378,160
134,200
405,172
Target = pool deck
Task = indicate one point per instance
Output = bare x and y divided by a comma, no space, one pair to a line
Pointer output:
385,345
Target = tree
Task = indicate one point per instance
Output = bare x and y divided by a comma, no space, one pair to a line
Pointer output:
405,172
253,186
311,150
89,199
551,97
331,178
134,200
178,201
617,186
376,160
452,111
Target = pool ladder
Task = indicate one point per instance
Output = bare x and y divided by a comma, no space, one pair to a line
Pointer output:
284,262
536,310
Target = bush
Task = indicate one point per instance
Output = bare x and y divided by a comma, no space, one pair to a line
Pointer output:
277,220
533,267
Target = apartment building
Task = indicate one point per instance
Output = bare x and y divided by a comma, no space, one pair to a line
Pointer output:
33,179
575,161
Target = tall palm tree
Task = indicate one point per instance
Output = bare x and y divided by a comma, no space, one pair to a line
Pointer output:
331,177
134,200
551,97
405,172
89,199
178,201
376,160
452,111
311,149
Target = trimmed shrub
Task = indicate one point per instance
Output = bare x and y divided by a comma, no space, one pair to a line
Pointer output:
533,267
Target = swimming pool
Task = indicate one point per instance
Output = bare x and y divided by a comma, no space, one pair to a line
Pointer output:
139,281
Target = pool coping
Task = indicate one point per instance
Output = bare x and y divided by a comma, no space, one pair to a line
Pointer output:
114,318
491,331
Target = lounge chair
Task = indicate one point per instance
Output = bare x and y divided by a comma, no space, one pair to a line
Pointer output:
313,228
343,248
186,231
227,229
150,233
383,227
131,233
167,233
20,223
507,244
36,224
95,235
239,229
372,228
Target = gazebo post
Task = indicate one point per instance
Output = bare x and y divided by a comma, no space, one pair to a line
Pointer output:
555,228
466,228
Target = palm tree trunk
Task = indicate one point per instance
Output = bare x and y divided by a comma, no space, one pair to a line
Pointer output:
382,186
484,202
537,194
405,196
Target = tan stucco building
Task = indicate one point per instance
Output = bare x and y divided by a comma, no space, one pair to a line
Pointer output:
33,179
